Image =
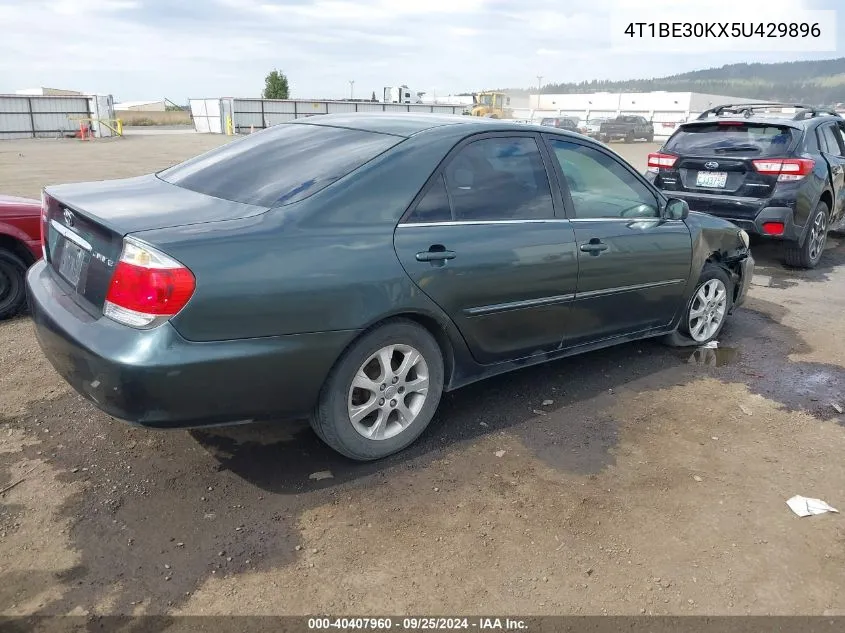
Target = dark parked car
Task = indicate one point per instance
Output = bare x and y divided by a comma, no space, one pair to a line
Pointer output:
627,128
351,268
564,123
780,175
20,246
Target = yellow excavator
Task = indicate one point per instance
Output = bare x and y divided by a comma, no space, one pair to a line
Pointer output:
491,104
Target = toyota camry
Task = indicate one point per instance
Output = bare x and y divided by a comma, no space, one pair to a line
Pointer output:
352,268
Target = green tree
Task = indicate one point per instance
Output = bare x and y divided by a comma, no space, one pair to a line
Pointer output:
276,86
374,96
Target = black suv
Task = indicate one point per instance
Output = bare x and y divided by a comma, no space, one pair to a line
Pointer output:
780,175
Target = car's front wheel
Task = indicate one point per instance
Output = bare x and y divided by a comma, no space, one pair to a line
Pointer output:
708,309
808,254
12,284
382,393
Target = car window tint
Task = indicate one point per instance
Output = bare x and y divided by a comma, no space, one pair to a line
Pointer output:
821,139
600,187
832,140
499,179
281,165
434,206
732,138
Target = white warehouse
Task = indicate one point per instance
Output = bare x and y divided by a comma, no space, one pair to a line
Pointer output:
665,109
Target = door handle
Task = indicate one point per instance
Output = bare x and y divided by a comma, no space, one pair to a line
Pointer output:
436,253
593,247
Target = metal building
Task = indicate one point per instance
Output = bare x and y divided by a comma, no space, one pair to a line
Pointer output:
664,109
212,115
26,116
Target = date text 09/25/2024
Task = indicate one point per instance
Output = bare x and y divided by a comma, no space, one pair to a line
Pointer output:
417,624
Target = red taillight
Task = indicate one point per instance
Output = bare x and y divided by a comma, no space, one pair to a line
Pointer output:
773,228
147,287
786,169
657,161
731,123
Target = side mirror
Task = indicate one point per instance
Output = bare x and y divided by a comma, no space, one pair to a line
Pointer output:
676,209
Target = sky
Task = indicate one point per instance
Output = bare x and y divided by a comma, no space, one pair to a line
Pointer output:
180,49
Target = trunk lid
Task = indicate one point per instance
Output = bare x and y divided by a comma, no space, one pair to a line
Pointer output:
86,224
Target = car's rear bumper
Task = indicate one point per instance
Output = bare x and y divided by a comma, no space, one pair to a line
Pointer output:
747,213
157,378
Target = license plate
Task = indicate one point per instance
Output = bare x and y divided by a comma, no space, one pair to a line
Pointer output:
711,179
71,262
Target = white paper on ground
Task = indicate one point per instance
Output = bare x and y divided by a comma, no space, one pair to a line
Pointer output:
711,345
804,507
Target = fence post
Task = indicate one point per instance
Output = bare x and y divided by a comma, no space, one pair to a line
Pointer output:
294,111
31,116
263,116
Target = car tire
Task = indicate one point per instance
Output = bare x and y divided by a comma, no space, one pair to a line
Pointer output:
650,138
808,254
377,400
709,306
12,284
630,138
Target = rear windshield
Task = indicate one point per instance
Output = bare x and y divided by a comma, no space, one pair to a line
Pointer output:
280,165
751,139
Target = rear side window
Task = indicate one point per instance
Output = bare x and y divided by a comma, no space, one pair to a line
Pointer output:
487,180
741,139
279,166
831,138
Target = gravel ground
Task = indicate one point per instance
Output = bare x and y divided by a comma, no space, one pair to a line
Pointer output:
633,480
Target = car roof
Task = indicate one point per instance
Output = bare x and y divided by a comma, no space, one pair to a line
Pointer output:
409,124
785,121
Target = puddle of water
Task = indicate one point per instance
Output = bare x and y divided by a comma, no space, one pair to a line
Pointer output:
718,357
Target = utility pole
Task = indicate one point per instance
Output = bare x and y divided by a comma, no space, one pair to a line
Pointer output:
351,89
539,88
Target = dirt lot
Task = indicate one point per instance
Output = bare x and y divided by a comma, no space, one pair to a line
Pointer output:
655,482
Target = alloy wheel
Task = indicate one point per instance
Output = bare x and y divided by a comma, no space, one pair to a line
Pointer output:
388,392
708,308
818,236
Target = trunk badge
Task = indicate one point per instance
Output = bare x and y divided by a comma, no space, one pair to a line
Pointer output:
68,217
711,164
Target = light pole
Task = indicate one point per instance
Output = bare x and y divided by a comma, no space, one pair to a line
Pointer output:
351,89
539,88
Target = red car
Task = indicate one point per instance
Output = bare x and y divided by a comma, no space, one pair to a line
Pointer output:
20,247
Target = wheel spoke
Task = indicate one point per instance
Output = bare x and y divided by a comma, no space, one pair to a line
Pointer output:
406,416
358,413
696,312
385,358
695,330
409,362
379,426
363,381
418,385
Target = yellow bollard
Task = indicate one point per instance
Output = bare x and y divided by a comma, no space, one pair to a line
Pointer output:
120,127
229,127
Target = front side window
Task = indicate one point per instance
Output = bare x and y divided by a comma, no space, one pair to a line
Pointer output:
600,186
487,180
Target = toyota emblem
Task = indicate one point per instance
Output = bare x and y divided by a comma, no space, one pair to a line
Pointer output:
711,164
68,217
